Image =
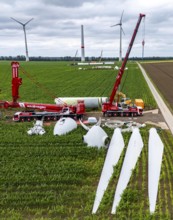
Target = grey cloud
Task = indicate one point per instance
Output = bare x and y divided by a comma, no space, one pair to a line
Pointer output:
60,20
68,3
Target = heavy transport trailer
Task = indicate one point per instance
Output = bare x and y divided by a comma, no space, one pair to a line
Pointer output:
112,108
46,116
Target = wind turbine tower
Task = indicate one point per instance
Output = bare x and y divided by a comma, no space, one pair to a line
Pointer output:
143,44
82,45
121,31
24,30
143,41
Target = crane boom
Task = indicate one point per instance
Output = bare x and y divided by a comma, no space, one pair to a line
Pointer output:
49,111
121,70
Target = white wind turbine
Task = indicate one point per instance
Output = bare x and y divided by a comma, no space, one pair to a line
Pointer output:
24,25
121,30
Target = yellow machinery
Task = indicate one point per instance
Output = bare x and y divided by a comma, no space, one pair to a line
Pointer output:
128,101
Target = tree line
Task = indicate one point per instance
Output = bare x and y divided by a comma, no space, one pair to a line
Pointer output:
78,59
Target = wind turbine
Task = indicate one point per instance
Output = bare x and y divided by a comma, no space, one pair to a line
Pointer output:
121,30
24,25
101,55
82,44
143,41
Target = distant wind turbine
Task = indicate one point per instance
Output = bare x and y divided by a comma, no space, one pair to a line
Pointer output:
121,30
75,55
101,55
24,25
82,44
143,41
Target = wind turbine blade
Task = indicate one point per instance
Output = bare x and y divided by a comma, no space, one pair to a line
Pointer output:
155,153
121,17
113,154
134,149
17,21
84,126
115,25
122,30
99,122
28,21
76,53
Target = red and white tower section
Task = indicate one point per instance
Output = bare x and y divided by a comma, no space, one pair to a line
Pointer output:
82,45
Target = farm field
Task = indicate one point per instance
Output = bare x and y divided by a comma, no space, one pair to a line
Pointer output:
161,74
50,177
43,81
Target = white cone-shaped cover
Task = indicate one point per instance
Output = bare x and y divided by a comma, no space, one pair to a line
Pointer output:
155,153
64,125
114,151
95,137
133,152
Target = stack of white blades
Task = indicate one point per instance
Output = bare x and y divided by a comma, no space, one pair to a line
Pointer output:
134,148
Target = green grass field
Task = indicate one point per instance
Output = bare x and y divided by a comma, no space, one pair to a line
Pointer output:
52,177
45,80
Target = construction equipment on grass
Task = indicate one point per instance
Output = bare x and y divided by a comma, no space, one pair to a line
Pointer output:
48,111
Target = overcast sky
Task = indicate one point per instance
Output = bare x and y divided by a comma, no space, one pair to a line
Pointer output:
55,30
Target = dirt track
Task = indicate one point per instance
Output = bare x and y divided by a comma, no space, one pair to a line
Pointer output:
162,76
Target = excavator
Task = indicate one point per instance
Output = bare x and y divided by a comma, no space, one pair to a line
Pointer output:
125,107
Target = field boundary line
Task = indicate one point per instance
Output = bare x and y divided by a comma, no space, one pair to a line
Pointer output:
161,104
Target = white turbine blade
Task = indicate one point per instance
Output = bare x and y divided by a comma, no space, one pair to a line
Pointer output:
76,53
28,21
84,126
121,17
99,122
155,153
114,151
122,30
134,148
17,21
115,25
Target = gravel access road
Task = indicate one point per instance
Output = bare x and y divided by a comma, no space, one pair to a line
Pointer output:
161,104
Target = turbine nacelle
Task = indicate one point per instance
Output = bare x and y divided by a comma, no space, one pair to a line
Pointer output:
64,126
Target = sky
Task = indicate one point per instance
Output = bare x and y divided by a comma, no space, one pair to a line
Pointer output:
55,30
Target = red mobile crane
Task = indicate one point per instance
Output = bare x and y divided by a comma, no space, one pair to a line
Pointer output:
116,109
49,111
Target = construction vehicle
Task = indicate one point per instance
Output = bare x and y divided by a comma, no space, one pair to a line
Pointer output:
128,101
48,111
115,108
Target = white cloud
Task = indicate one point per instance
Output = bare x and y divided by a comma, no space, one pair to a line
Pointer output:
55,30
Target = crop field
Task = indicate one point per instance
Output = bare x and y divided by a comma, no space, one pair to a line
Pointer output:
162,76
50,177
43,81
